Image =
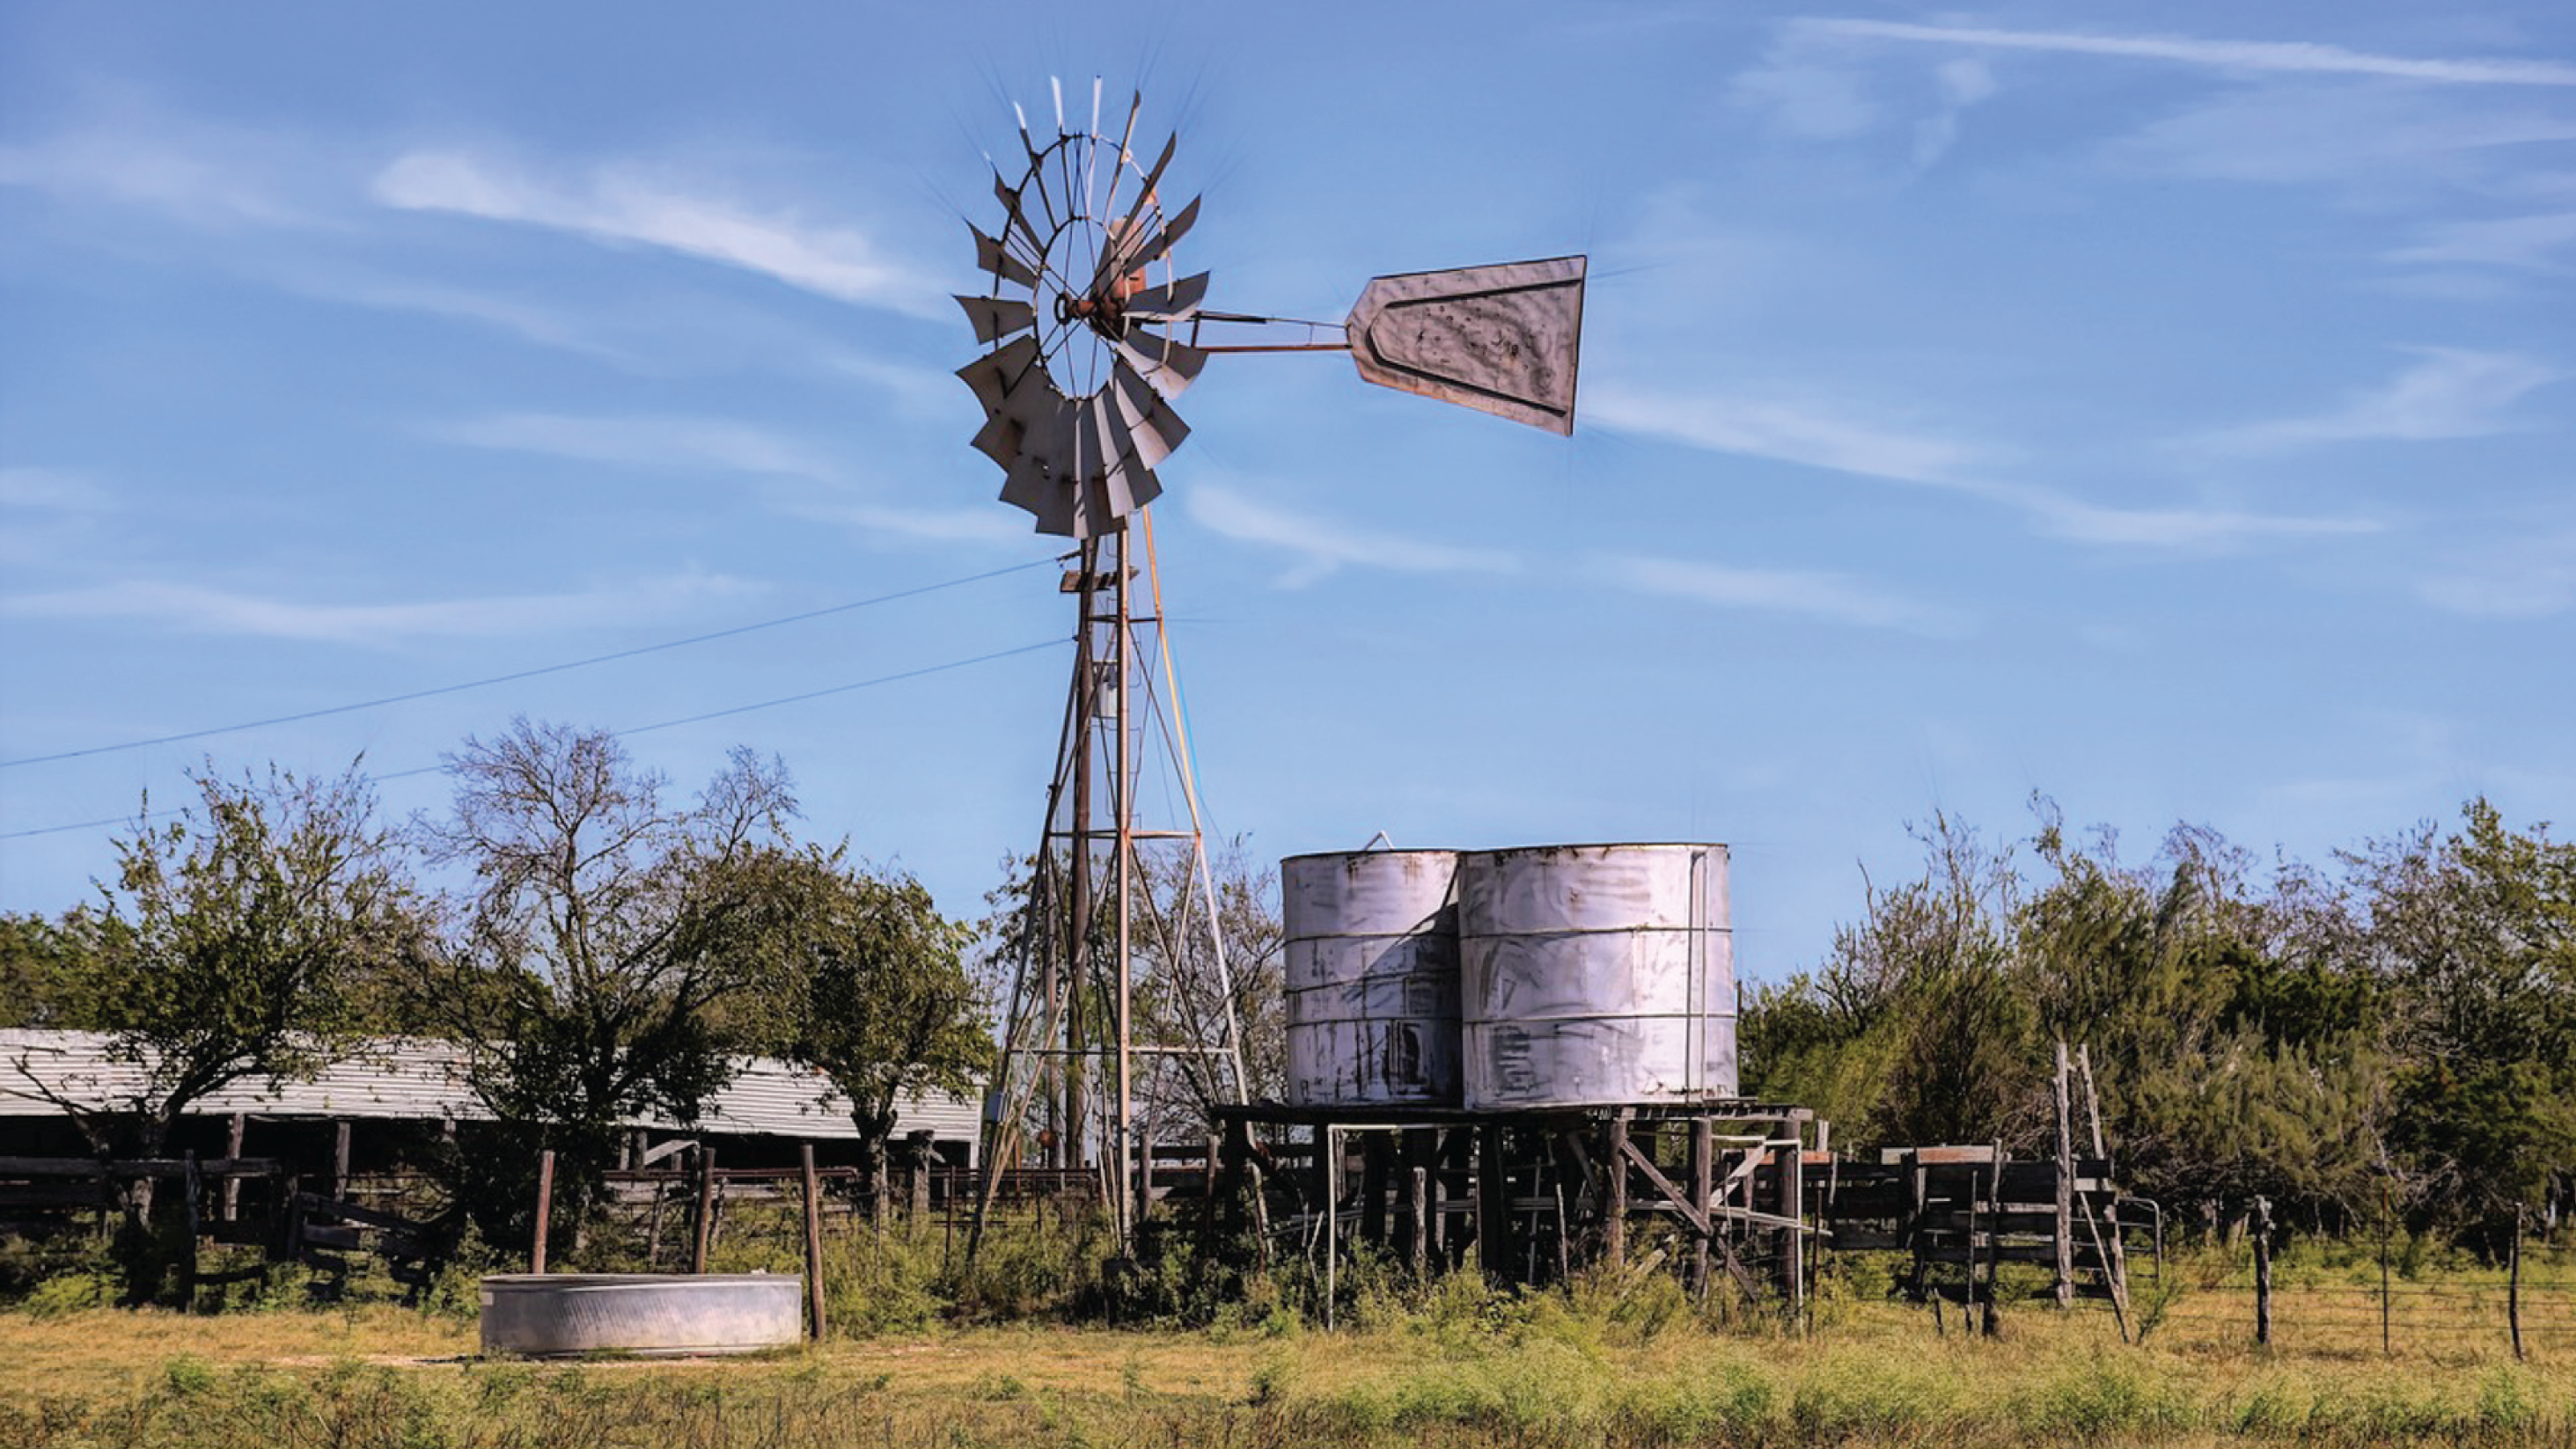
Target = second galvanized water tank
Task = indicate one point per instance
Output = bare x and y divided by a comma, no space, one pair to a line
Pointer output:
1372,968
1596,975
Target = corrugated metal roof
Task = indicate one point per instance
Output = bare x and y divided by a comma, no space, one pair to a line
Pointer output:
423,1079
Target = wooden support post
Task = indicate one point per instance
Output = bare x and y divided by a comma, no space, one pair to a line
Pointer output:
1376,1149
2119,1259
2386,1213
1226,1188
1211,1204
288,1217
1144,1175
1418,1229
1992,1324
1703,1181
813,1242
232,1181
2263,1271
545,1210
1614,1205
1793,1206
1493,1205
1331,1137
2513,1287
1914,1234
340,1161
1323,1175
190,1186
2065,1229
653,1234
704,1226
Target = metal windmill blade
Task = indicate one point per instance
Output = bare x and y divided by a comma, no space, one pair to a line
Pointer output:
1083,364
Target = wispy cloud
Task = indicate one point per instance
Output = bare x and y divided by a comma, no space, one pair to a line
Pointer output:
2183,528
1834,598
1821,437
1791,431
2531,243
989,524
1323,547
682,443
2306,57
2376,143
198,609
627,205
795,480
536,322
2451,393
2526,578
53,490
216,176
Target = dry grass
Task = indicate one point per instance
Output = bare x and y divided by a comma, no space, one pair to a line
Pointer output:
1613,1364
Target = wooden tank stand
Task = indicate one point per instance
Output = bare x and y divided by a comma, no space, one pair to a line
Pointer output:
1708,1188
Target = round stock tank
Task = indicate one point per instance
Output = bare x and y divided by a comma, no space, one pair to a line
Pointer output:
546,1314
1596,975
1372,968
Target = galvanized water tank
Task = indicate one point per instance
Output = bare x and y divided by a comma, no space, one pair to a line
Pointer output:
545,1314
1372,968
1596,975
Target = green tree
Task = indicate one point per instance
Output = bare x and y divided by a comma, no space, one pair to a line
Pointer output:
2227,1023
2475,934
227,946
606,920
864,981
46,982
1912,1031
224,952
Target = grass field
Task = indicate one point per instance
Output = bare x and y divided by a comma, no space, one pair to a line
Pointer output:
1614,1363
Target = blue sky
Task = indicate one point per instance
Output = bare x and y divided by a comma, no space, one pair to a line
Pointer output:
2161,407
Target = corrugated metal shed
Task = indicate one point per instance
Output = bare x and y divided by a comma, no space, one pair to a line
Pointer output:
422,1079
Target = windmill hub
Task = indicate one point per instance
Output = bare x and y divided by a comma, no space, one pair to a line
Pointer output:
1105,310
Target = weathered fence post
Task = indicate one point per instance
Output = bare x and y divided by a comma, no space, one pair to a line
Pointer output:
545,1210
1703,1182
1493,1206
340,1161
1992,1324
232,1180
2263,1270
706,1219
1793,1205
1420,1224
813,1242
190,1187
2386,1212
1329,1142
2513,1286
2065,1235
1614,1176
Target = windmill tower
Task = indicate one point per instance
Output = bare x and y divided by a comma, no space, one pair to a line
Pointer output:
1092,331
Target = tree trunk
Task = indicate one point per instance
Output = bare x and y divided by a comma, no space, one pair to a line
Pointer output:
876,1127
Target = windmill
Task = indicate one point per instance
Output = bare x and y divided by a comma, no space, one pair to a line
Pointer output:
1092,333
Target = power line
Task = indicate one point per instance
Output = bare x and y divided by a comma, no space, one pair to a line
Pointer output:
200,734
926,669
